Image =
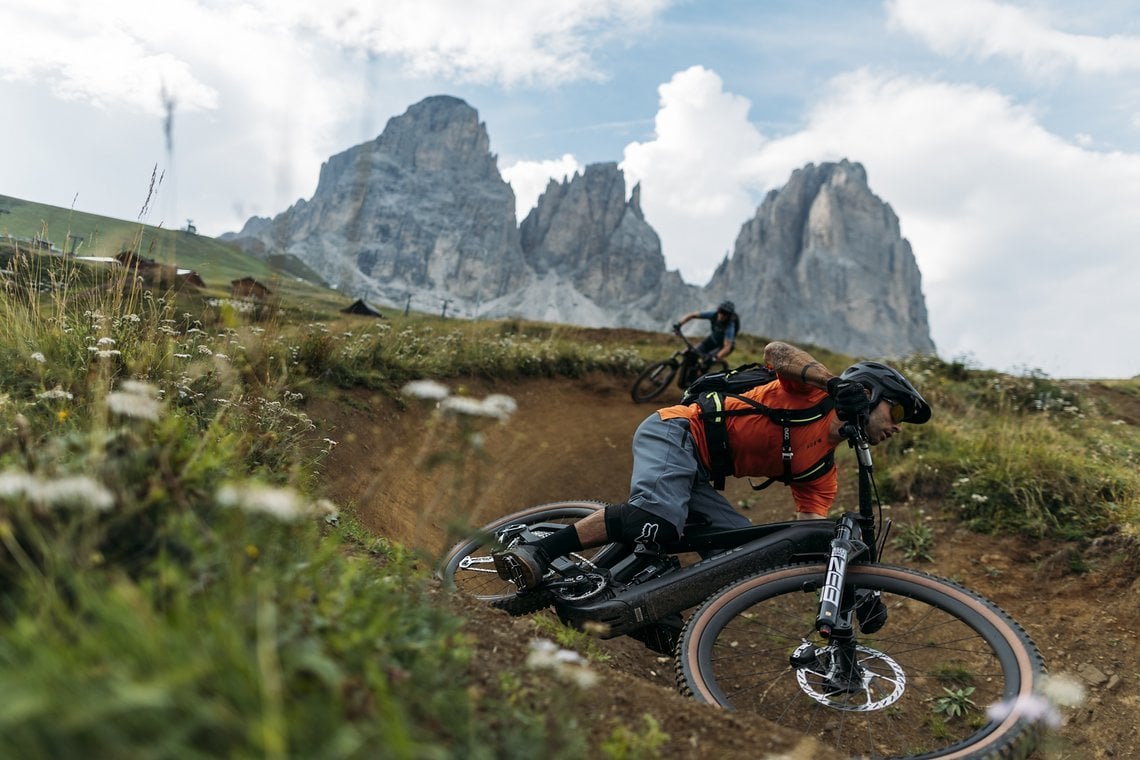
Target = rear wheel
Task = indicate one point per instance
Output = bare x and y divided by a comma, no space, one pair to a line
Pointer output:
469,568
653,381
949,676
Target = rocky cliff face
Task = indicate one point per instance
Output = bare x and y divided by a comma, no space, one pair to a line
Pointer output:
583,232
423,213
823,261
420,210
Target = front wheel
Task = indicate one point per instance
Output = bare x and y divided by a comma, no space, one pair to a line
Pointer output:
949,676
653,381
469,568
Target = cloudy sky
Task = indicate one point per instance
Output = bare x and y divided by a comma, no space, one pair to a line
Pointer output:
1005,135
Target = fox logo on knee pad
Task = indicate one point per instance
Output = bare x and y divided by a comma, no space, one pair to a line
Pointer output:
648,533
630,525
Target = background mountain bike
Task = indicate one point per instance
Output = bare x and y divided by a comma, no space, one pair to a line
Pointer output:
686,364
785,623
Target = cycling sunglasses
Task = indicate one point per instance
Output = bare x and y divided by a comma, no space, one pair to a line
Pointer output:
898,411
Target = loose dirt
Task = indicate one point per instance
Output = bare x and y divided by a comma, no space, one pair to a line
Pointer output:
406,476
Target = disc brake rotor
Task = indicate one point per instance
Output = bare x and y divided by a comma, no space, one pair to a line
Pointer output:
877,683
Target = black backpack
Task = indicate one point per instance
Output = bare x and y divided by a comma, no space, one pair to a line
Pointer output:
710,391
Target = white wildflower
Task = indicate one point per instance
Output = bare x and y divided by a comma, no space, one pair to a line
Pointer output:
1064,690
105,341
426,389
71,491
1035,708
38,357
566,664
498,406
54,393
329,511
979,498
284,504
77,491
135,399
471,407
205,351
182,356
107,354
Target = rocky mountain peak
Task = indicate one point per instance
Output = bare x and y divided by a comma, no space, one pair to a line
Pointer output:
440,133
586,231
823,261
422,213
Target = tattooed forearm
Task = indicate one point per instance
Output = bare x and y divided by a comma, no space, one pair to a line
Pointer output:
796,363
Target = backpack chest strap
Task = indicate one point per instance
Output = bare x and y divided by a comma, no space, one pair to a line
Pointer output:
714,415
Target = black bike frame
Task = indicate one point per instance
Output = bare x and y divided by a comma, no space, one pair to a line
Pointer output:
742,552
640,593
688,361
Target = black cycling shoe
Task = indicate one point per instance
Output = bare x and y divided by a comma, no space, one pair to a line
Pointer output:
522,565
870,611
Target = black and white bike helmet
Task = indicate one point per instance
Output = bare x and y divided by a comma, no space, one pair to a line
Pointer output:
884,381
728,307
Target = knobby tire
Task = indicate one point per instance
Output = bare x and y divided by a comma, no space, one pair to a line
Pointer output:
942,638
653,381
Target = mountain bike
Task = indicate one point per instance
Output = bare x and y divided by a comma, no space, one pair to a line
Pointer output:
785,624
686,364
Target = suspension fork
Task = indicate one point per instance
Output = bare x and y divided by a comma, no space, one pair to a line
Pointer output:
846,546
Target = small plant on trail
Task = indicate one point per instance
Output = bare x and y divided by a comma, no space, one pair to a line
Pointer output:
626,744
955,703
571,638
915,541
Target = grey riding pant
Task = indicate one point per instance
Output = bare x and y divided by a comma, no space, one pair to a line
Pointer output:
669,481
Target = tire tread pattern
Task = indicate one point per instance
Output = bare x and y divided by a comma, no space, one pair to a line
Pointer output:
1018,743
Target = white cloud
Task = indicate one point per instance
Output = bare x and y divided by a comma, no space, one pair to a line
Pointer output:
1009,222
529,179
83,52
987,29
695,190
119,52
280,83
485,41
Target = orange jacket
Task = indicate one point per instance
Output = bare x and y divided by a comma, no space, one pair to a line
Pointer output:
755,440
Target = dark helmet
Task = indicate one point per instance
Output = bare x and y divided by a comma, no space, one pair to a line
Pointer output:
728,307
883,381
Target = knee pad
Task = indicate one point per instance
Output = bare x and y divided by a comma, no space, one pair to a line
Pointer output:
628,524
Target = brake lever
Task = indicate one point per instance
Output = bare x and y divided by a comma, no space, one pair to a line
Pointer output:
856,434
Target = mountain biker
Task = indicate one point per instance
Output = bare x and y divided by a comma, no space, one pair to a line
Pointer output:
724,324
670,475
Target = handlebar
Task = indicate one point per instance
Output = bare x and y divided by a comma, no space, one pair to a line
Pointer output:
682,336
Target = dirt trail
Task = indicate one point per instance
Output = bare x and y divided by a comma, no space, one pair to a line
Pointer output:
570,440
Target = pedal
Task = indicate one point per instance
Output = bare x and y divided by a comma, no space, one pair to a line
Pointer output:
510,569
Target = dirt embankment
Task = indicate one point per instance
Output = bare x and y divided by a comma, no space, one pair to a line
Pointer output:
570,439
